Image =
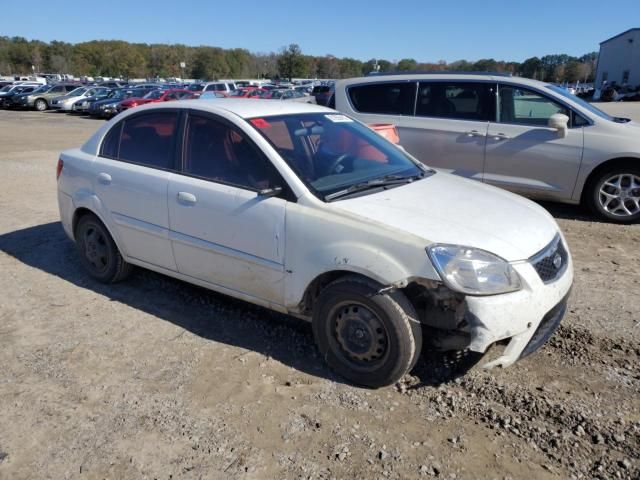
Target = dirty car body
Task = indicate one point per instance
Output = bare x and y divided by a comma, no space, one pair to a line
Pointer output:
324,220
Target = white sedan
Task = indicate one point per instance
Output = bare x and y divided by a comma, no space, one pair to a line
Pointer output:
308,212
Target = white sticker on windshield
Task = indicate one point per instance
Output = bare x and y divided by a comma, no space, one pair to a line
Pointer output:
338,118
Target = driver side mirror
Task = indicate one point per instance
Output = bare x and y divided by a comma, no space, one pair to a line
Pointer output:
560,122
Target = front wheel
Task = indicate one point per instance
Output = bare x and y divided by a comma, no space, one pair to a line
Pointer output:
370,338
615,194
41,105
98,252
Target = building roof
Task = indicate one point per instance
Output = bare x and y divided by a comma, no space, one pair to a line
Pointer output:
619,35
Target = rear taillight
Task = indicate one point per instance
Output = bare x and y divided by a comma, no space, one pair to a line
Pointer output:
59,168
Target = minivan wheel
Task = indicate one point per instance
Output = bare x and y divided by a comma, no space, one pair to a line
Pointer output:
370,338
41,105
98,252
615,194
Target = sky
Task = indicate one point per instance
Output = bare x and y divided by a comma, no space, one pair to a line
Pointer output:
426,30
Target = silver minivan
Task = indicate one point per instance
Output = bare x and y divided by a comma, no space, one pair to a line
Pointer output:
530,137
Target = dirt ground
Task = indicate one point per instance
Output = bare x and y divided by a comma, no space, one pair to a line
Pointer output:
154,378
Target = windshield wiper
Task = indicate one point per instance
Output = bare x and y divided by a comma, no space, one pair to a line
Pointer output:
387,180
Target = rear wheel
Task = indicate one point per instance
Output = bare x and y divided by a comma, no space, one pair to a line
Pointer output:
370,338
41,105
98,252
615,194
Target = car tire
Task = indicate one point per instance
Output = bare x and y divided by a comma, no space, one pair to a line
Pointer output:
370,338
41,105
614,194
98,252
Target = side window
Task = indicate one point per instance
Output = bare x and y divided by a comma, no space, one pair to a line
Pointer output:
111,143
69,88
384,98
216,151
525,107
149,139
463,101
210,88
58,89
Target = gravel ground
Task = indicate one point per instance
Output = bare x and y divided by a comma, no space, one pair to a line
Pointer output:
155,378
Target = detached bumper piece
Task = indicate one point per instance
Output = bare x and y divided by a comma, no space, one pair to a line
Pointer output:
547,327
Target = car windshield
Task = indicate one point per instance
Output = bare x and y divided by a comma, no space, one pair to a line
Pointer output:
332,152
76,92
154,94
6,88
116,94
584,104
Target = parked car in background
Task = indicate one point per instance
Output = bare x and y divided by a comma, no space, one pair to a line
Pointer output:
65,103
225,87
289,95
10,91
40,98
310,213
108,107
523,135
247,92
211,95
322,93
156,96
83,104
112,84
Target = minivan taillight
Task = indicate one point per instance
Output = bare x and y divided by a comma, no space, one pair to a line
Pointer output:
59,168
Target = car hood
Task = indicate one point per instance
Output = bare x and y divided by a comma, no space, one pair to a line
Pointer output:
444,208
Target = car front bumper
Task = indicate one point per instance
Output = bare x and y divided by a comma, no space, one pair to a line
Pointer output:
526,318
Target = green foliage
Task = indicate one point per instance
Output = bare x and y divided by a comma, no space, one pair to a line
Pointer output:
139,60
407,64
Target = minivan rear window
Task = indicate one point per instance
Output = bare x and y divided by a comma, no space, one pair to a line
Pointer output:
394,98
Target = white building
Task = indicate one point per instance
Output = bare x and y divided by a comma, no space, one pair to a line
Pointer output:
619,59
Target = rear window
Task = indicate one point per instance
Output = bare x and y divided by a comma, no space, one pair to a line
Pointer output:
321,89
384,98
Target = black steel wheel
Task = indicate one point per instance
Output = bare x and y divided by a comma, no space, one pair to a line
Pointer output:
370,338
98,252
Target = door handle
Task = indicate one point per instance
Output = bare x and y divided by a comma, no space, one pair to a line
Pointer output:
187,198
473,133
501,136
104,178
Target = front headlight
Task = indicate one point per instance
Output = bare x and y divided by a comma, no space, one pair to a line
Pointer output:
473,271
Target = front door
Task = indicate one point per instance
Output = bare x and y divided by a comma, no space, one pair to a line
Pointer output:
523,154
223,230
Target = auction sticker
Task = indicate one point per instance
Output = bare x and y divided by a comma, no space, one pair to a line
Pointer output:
338,118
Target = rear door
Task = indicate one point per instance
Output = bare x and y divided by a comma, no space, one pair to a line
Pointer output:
223,231
131,180
443,124
523,154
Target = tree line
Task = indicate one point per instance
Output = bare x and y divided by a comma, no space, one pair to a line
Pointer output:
115,58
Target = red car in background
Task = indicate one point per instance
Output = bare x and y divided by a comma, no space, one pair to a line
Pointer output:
248,92
156,96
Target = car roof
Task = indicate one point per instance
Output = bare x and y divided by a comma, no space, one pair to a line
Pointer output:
441,76
244,108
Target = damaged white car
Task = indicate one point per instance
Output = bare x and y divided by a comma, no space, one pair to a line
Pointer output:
311,213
